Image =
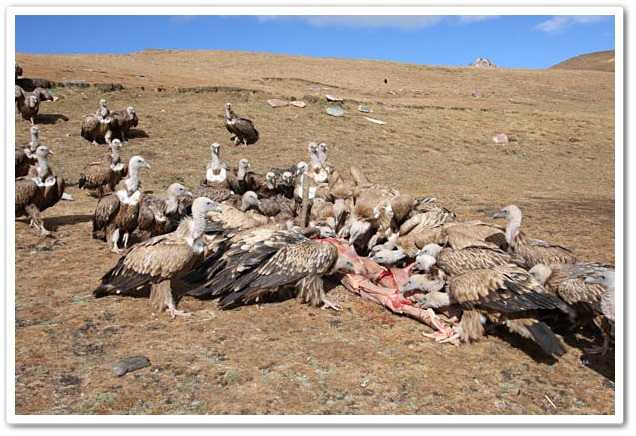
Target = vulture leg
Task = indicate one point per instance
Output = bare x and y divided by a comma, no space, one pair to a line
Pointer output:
34,214
125,239
95,142
114,238
236,140
107,136
161,296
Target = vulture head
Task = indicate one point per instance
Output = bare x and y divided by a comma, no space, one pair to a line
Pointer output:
431,249
358,228
420,282
287,178
137,162
35,131
248,200
605,278
388,257
43,151
102,103
202,205
228,109
177,190
115,144
541,273
33,101
130,111
215,148
301,167
435,299
270,177
244,163
342,265
322,147
424,262
608,303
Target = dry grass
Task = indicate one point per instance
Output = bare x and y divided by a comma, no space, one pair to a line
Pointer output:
287,358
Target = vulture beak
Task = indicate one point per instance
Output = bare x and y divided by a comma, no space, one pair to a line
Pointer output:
216,208
146,165
51,151
500,214
188,193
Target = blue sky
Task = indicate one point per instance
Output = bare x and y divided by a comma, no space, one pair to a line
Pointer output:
510,41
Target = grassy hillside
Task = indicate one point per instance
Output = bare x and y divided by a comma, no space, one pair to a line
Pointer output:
597,61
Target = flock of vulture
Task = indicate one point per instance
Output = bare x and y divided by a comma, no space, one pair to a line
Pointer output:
243,237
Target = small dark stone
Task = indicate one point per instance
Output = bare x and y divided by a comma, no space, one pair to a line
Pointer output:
608,384
129,364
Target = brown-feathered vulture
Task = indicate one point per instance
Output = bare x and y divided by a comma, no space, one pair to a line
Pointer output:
577,285
29,102
533,251
94,128
158,216
28,105
608,306
18,70
116,213
122,121
265,261
455,262
104,176
25,157
504,294
36,194
242,128
161,261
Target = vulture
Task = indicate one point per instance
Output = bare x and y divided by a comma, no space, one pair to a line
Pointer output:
578,285
122,121
608,307
503,294
18,70
104,176
158,216
103,112
242,128
456,262
117,212
98,125
258,262
25,158
217,172
161,261
28,104
35,194
317,172
278,206
533,251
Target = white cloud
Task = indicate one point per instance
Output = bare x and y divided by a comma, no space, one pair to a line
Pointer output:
362,21
182,19
559,23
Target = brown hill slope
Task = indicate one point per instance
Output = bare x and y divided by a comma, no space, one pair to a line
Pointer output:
597,61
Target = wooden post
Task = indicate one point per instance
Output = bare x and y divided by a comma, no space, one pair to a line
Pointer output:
305,200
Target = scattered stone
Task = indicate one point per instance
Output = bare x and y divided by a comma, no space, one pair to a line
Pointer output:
335,111
171,100
482,62
389,107
314,89
392,92
501,139
375,121
274,102
160,89
140,76
67,197
476,95
364,109
129,364
87,69
109,86
298,103
332,98
73,81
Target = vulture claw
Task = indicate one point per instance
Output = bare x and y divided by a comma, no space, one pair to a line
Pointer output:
329,305
174,313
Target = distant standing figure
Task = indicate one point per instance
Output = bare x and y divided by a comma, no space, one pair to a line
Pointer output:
385,81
